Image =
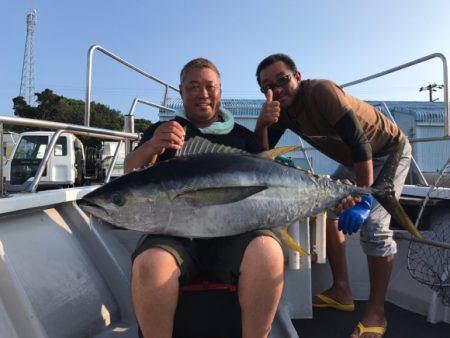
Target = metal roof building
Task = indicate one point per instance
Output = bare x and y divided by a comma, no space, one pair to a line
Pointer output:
416,119
422,120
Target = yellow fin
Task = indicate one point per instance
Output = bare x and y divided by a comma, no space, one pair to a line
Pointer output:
290,242
272,153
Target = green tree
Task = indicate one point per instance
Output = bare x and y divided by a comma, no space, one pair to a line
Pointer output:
140,125
53,107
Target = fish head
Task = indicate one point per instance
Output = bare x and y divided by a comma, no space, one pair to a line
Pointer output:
104,206
119,202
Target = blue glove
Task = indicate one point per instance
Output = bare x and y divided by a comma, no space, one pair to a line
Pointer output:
351,219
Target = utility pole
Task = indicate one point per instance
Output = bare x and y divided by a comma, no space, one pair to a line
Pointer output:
27,88
431,88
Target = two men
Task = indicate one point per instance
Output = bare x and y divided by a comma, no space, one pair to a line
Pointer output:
162,264
360,138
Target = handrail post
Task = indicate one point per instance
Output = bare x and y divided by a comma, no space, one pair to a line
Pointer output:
87,103
112,163
133,106
37,177
446,103
128,127
306,155
294,256
165,95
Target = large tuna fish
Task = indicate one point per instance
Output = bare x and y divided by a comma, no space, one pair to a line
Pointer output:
213,191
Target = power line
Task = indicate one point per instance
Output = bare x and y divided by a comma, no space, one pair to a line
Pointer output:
431,88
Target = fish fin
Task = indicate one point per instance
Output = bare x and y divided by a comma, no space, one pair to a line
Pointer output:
199,145
385,179
214,196
290,242
272,153
384,191
389,202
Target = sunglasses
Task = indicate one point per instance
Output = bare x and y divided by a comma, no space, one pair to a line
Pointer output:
278,83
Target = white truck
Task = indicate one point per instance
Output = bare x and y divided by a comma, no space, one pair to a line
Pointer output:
70,164
65,167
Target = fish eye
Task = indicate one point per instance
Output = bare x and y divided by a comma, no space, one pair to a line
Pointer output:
118,199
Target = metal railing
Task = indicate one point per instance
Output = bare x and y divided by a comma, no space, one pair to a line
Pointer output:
129,126
409,64
90,57
48,151
148,103
73,128
60,128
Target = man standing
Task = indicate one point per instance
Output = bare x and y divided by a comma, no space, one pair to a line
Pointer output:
360,138
161,264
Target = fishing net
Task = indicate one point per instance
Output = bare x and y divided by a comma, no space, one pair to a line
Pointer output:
430,265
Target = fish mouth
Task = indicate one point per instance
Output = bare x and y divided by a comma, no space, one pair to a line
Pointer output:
94,209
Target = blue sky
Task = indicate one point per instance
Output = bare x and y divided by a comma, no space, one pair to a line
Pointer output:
338,40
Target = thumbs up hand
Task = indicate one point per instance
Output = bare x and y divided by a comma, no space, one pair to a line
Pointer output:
270,111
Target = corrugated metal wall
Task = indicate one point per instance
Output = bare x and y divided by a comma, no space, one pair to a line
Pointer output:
431,156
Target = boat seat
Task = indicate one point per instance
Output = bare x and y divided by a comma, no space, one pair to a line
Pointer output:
207,308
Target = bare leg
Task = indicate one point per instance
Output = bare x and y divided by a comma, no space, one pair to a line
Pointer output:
154,288
340,290
380,272
260,286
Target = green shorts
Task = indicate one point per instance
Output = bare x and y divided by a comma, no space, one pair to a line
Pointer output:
216,257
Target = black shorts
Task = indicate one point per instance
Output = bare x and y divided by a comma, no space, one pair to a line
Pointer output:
217,257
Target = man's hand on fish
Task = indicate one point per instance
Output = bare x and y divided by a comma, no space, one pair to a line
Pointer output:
349,201
169,135
270,111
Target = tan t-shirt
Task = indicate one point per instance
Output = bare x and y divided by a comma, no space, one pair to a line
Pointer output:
317,107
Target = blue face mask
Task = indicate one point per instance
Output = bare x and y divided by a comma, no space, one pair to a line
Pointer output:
219,127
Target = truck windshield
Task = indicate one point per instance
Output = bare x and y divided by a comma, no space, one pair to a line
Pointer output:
33,147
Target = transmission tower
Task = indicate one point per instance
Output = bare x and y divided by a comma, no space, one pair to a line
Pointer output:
27,89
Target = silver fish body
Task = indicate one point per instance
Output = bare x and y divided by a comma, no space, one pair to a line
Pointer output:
214,195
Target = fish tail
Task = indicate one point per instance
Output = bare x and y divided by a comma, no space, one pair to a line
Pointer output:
386,195
388,200
290,242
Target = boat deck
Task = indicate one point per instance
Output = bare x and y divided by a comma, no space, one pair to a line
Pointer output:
338,324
